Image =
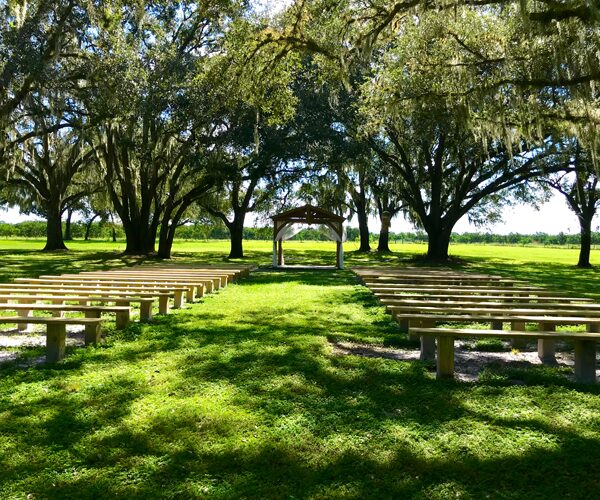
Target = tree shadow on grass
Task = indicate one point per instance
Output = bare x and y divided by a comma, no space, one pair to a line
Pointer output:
198,406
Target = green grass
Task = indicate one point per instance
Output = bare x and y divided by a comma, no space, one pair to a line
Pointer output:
239,396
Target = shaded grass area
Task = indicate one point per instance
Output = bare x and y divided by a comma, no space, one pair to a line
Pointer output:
240,396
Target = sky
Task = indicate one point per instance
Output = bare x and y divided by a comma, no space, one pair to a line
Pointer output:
553,217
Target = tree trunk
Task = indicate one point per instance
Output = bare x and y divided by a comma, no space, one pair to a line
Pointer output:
236,232
114,234
384,241
54,234
88,227
363,228
585,225
68,235
139,239
165,239
437,244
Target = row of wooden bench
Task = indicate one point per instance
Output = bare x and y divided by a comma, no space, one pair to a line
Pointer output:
116,290
420,299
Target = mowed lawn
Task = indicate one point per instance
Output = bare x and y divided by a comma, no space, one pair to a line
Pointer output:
241,396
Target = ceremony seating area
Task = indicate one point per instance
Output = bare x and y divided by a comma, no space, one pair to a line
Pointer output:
89,297
425,301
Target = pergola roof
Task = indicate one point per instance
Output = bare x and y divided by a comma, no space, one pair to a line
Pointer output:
308,215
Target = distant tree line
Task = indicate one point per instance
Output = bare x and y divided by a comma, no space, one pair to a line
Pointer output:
218,231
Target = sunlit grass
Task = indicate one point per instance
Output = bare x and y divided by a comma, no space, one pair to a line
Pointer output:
240,396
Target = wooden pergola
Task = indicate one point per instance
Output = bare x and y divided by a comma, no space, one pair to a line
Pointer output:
307,215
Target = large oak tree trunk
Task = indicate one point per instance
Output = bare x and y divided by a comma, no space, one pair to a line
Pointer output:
585,225
140,238
363,228
54,234
68,235
437,244
236,232
383,244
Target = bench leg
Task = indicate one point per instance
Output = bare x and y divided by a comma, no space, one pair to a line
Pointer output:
92,332
210,286
403,324
427,348
83,302
190,294
122,319
546,346
445,357
178,299
518,326
163,304
146,311
496,325
56,336
58,314
585,361
200,291
22,327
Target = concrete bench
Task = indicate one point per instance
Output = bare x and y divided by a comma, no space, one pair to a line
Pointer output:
146,303
398,282
466,290
544,323
218,280
191,288
163,296
585,347
211,281
480,298
122,313
56,331
490,305
164,293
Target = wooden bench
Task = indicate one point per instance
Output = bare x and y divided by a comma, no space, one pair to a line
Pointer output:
585,347
544,323
56,331
146,303
122,313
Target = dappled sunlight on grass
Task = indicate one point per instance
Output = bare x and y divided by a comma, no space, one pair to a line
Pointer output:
240,395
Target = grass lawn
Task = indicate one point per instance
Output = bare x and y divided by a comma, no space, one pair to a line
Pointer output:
240,396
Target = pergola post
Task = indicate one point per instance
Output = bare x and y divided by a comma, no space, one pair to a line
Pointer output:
274,253
280,260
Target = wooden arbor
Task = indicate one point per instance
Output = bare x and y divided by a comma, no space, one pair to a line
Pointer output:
307,215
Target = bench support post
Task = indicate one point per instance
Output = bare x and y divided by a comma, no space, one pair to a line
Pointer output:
146,310
445,357
122,319
585,361
178,299
92,332
427,348
56,336
190,294
22,327
497,325
546,346
163,304
518,326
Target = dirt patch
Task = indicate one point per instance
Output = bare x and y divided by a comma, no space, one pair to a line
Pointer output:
468,363
34,336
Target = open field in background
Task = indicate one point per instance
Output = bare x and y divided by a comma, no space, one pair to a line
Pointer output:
240,395
552,267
